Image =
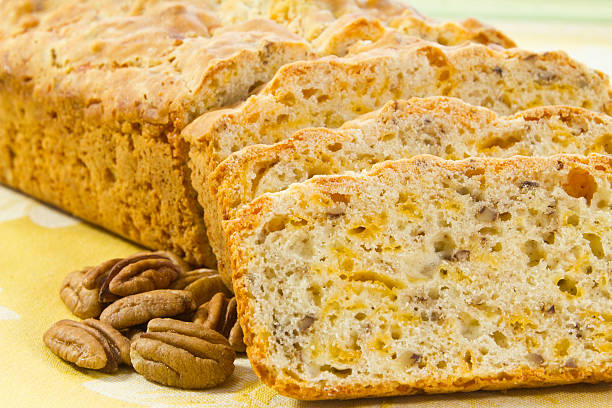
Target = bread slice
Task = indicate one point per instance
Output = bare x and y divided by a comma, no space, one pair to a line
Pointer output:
93,95
427,275
441,126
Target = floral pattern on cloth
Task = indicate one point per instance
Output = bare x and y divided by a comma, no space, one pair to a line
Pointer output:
14,205
7,314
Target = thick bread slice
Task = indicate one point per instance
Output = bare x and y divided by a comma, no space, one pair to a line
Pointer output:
427,275
441,126
93,96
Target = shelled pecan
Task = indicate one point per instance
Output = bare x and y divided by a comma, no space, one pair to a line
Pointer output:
89,344
139,273
204,288
182,354
82,302
142,307
220,314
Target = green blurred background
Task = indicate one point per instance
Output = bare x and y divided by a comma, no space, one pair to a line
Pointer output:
594,11
581,28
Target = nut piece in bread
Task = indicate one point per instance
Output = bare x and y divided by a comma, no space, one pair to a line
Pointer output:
427,275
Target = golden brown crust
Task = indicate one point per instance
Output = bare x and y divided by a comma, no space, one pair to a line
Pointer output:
256,336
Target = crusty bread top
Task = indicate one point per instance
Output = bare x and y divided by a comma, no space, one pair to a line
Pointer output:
160,62
320,21
441,126
165,62
330,91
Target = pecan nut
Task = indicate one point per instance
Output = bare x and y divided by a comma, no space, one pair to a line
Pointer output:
139,273
206,287
220,314
81,301
89,344
182,354
94,277
190,277
140,308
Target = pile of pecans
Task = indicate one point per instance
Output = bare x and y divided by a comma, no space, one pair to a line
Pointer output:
174,326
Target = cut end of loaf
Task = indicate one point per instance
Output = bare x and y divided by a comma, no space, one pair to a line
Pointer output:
430,276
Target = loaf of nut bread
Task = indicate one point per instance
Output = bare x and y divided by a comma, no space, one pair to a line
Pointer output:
428,275
329,91
93,96
441,126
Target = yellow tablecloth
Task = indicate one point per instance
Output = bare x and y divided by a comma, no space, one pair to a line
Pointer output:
39,246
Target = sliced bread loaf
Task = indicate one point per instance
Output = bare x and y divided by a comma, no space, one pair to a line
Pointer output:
441,126
93,97
427,275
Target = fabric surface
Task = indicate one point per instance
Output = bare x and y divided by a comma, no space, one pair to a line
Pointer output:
39,246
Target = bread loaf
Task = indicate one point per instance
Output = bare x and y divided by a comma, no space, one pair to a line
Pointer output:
92,100
94,95
440,126
426,275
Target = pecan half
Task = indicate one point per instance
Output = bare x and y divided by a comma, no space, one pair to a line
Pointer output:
206,287
89,344
142,307
182,354
190,277
95,277
81,301
220,315
139,273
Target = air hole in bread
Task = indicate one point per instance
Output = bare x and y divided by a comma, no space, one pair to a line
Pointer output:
470,327
573,219
287,99
338,372
334,147
282,118
549,237
444,246
605,142
500,142
562,347
595,244
534,252
500,339
568,285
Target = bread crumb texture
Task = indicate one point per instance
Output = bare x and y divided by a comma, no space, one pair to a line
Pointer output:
427,275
